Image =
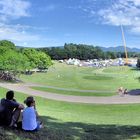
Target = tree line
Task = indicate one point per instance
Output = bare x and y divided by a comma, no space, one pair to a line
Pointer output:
83,52
14,60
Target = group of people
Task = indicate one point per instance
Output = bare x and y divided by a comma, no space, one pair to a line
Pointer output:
121,91
11,111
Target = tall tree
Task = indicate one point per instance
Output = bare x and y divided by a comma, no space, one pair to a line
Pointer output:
37,59
14,61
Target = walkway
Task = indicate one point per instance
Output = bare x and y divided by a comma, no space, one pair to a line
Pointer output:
25,88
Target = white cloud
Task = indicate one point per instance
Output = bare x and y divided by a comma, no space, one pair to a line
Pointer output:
22,36
21,27
136,2
19,34
15,35
13,9
125,12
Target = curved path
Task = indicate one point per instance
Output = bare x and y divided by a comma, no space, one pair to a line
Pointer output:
25,88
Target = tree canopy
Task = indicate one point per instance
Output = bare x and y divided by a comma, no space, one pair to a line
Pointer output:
14,60
37,59
83,52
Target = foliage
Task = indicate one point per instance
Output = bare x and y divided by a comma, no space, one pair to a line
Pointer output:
7,44
71,50
11,62
37,59
14,61
83,52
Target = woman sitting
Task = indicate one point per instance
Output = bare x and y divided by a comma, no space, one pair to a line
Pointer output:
29,117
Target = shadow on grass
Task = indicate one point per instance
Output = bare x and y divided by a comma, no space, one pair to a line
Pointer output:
57,130
135,69
98,77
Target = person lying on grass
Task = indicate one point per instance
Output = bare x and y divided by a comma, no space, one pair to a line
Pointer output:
11,110
29,116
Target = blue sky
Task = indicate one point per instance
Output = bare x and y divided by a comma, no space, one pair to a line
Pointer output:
42,23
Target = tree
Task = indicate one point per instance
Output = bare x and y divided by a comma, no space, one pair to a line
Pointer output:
37,59
7,44
44,61
111,55
14,61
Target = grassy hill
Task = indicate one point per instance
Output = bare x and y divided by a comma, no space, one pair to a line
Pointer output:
76,121
69,79
70,121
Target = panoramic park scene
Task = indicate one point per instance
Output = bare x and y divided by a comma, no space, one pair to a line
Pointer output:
70,70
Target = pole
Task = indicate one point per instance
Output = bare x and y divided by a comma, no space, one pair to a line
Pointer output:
124,42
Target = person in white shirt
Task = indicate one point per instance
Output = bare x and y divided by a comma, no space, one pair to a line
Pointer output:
29,116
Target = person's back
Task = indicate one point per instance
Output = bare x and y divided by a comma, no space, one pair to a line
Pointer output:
29,121
11,109
29,116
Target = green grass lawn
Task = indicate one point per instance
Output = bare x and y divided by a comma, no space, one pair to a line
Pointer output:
75,121
76,93
85,78
71,121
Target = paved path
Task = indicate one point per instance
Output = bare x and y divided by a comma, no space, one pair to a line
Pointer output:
25,88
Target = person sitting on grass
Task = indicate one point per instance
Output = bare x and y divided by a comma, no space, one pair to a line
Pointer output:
120,91
125,91
29,116
11,109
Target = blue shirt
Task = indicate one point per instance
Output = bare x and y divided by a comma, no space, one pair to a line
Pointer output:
29,121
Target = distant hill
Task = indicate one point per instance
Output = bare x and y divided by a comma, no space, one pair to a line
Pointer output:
52,47
119,49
